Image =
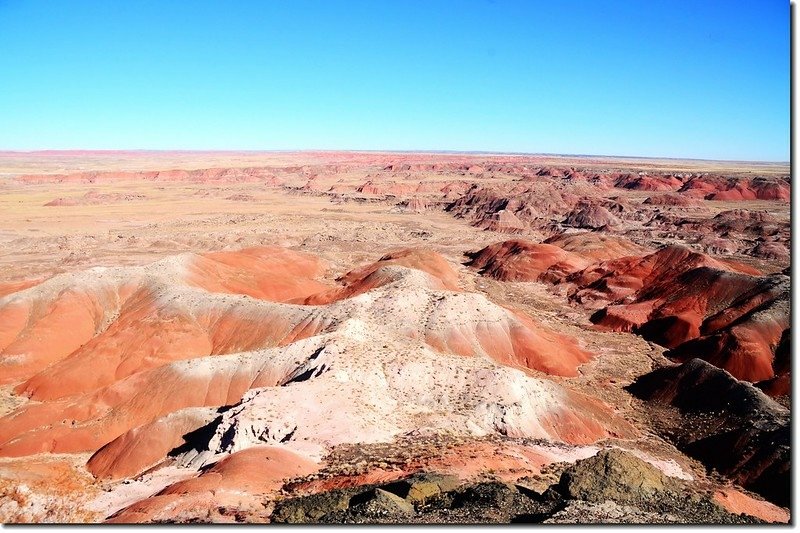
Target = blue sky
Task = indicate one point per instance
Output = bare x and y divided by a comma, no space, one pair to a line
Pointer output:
674,78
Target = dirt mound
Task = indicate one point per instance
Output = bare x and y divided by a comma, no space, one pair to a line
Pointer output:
736,502
267,272
415,204
713,244
591,216
16,286
417,258
694,305
144,446
60,202
596,245
497,400
126,312
241,197
772,250
374,275
683,300
672,200
519,260
649,182
387,188
743,231
127,316
734,320
529,203
239,481
728,424
97,198
504,222
740,220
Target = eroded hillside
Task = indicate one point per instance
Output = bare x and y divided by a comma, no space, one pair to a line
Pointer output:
349,337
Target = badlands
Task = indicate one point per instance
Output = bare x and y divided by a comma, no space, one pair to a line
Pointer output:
351,337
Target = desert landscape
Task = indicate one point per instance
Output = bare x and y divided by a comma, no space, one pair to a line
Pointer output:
393,337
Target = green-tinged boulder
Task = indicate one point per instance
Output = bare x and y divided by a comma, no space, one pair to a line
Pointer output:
614,475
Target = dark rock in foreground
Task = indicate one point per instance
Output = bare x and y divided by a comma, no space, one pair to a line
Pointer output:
729,425
614,475
611,487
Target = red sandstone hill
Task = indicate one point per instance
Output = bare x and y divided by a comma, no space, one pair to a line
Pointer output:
527,203
242,480
693,304
736,189
749,338
696,306
519,260
590,216
169,341
672,200
550,261
598,246
649,183
613,280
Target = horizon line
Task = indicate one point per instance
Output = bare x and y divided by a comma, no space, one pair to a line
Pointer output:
67,151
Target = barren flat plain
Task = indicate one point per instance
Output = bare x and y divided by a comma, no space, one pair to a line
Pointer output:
392,337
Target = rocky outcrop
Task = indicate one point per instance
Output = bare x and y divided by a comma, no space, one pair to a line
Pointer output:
614,475
729,425
613,480
457,502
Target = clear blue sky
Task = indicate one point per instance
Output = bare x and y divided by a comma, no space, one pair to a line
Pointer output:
675,78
